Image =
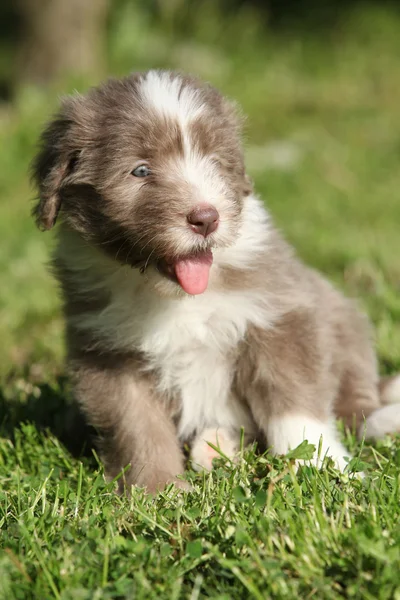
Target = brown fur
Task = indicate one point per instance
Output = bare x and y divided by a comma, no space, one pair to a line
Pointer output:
139,426
317,355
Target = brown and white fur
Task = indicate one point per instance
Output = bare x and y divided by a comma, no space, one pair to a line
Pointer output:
269,345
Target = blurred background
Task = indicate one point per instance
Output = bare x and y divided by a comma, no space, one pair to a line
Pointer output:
320,84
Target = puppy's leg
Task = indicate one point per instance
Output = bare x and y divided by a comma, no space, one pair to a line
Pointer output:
389,390
358,395
287,430
286,380
358,404
135,425
202,454
292,413
372,405
386,419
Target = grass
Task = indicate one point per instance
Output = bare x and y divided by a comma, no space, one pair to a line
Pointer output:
322,144
253,531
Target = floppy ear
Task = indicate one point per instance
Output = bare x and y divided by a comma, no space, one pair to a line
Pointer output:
54,160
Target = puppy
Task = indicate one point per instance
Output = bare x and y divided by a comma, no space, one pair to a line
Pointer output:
188,316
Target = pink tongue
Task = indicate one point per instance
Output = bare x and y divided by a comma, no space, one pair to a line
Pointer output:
192,273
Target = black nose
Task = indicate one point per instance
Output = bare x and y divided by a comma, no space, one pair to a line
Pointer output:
203,219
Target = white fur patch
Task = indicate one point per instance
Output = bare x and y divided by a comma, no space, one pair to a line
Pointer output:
201,177
171,98
252,239
202,454
391,393
287,432
381,422
168,96
190,342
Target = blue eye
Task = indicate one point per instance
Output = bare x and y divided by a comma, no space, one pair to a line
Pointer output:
141,171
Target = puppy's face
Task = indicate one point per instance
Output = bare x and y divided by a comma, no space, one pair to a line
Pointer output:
150,170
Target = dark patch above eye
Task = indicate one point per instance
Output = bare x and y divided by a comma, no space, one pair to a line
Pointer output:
141,171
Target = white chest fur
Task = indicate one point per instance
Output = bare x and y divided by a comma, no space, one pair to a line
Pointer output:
190,342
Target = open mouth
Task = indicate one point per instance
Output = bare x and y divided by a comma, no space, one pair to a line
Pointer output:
190,272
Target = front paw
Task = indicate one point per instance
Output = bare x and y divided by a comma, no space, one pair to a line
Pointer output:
152,479
202,454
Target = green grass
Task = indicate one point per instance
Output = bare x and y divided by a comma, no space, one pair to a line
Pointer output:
253,531
323,147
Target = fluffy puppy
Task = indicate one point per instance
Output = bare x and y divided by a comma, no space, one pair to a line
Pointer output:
188,315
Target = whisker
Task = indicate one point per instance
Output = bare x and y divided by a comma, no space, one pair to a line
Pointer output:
136,243
147,261
114,239
149,242
120,248
138,240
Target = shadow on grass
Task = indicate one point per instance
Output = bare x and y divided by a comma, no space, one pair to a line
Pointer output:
50,408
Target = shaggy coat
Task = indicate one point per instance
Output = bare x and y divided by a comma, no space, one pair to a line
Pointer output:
188,315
